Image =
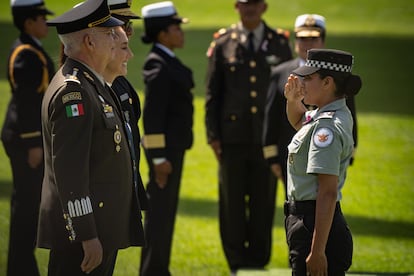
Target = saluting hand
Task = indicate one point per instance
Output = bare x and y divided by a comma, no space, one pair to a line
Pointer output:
294,91
161,173
93,252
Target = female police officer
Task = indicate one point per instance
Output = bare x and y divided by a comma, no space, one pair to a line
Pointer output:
319,240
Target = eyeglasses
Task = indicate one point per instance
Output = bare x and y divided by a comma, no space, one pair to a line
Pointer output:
128,28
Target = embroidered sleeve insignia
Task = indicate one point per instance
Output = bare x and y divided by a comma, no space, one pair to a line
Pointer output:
323,137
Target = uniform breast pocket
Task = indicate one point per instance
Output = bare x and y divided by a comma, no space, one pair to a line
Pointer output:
294,146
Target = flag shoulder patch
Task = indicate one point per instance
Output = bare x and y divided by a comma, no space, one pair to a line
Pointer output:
74,110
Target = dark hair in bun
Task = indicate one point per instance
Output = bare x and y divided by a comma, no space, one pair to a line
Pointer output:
347,84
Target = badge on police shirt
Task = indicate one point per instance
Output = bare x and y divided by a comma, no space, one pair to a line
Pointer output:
323,137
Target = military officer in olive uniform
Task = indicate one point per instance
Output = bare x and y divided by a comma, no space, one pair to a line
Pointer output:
168,123
89,207
29,72
320,242
240,60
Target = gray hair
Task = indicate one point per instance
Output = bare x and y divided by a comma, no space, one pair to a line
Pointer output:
72,41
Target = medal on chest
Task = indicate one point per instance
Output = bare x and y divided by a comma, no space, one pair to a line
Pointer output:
117,139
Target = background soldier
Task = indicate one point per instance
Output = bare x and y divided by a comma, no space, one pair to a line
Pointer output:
240,59
168,122
30,70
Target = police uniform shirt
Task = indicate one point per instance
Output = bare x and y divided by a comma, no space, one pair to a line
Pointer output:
323,145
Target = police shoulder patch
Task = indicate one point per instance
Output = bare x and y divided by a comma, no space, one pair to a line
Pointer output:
323,137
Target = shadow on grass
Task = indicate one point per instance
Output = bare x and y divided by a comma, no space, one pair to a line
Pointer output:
359,225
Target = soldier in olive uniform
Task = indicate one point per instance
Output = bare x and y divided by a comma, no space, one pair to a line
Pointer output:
240,60
89,207
168,123
310,33
29,72
320,242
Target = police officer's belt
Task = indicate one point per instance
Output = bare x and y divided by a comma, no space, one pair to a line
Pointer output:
306,207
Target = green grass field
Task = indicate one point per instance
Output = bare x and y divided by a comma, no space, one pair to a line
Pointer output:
378,196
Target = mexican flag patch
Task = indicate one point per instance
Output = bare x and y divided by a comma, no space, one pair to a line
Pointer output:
74,110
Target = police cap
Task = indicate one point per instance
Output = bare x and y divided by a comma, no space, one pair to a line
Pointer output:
327,59
88,14
122,8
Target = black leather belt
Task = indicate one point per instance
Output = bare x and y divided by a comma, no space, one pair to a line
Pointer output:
306,207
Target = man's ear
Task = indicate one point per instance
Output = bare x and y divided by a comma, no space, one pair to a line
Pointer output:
87,39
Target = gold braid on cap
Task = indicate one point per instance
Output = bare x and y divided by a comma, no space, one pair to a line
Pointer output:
99,21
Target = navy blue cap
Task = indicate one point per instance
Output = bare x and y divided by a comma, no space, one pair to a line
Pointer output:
88,14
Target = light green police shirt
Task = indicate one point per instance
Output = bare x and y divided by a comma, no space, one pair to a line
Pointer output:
323,145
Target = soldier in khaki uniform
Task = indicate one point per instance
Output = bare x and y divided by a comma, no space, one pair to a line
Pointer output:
319,239
89,207
240,60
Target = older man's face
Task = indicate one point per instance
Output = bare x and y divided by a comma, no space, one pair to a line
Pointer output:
102,40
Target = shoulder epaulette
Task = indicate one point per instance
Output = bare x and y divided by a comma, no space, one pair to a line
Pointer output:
283,32
325,115
72,77
219,33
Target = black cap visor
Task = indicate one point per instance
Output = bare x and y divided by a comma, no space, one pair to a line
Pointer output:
305,70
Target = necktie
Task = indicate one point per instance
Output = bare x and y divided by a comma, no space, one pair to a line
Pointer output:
250,42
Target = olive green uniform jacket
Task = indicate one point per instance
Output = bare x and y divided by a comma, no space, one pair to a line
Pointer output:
88,187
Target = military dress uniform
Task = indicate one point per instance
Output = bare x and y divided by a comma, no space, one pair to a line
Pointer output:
87,190
278,132
131,107
30,70
324,145
168,122
237,81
